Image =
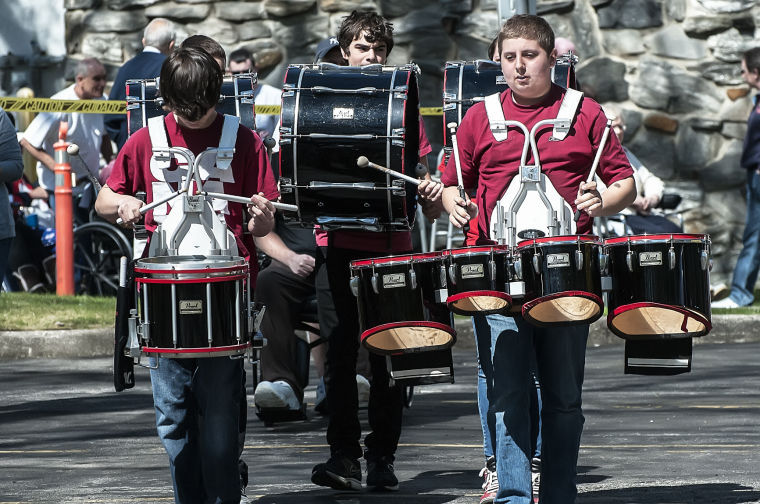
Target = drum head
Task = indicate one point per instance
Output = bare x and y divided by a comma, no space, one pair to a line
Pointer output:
481,302
563,309
657,321
403,337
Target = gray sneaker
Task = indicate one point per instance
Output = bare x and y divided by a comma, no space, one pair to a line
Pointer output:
275,395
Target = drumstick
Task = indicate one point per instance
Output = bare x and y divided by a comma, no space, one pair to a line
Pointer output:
156,203
460,183
363,162
243,199
596,161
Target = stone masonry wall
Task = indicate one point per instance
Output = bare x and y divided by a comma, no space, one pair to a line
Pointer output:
672,65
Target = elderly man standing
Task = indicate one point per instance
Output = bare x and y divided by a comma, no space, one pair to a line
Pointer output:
158,41
85,130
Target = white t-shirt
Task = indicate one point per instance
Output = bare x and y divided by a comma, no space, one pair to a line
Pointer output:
85,130
268,125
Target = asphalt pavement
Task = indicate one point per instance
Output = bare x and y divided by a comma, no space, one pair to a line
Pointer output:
67,437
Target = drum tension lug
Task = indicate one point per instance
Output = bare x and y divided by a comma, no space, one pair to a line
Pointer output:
537,263
375,286
629,260
442,276
579,260
412,278
672,258
453,273
354,283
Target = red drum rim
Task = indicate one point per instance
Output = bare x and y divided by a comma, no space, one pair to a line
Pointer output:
564,239
367,335
686,312
453,298
399,259
197,351
477,249
679,237
529,305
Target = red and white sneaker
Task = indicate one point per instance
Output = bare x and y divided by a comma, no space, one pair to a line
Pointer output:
535,477
490,481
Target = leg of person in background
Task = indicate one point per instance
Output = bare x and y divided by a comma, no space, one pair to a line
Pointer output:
483,346
748,263
5,249
535,428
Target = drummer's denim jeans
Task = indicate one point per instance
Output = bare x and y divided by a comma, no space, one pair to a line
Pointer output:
748,263
560,357
197,404
487,421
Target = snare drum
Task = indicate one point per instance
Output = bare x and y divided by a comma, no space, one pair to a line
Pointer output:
562,278
332,115
236,98
477,278
400,303
660,286
193,306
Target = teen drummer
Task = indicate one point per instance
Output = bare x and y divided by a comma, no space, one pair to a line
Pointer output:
365,38
526,47
203,455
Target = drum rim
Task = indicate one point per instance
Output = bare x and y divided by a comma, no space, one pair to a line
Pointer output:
431,324
399,259
528,305
183,263
659,238
475,250
560,239
703,318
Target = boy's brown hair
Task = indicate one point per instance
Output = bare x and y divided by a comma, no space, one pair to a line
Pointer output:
374,27
530,27
190,83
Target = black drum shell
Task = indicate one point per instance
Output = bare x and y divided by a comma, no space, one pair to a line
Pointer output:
687,285
226,304
396,300
556,279
478,280
322,112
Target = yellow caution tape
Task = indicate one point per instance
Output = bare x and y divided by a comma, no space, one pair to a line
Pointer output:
66,106
118,107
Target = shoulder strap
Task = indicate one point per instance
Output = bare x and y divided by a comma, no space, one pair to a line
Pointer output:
496,120
567,111
158,138
227,142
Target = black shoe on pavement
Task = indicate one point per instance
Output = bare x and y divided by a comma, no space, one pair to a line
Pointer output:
380,474
339,472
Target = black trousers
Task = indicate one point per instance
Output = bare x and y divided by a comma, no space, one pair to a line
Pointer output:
283,292
339,323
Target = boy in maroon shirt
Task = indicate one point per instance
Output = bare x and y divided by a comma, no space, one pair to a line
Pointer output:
527,55
203,456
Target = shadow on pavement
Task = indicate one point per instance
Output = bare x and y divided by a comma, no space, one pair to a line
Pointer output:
719,493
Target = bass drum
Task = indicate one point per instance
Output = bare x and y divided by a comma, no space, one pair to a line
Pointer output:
332,115
660,286
236,98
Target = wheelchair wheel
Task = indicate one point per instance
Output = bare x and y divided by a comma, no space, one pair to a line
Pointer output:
98,247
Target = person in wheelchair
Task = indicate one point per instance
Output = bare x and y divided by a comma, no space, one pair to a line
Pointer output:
645,215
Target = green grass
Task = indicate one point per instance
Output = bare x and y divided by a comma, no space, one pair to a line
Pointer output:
20,311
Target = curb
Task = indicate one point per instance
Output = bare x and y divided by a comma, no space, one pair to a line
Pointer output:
84,343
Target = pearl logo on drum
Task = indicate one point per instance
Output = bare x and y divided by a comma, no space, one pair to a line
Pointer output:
393,280
343,113
191,307
650,258
472,271
558,260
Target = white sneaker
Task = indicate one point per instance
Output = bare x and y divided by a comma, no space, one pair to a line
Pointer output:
320,403
724,303
277,394
362,387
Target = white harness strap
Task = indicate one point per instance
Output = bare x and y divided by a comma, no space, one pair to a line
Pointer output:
496,119
567,111
158,138
227,142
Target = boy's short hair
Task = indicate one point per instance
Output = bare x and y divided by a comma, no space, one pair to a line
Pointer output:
190,83
204,43
530,27
751,59
374,27
240,55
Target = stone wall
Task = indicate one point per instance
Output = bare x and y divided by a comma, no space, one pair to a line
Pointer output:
672,65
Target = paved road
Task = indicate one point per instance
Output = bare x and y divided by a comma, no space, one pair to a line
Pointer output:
66,437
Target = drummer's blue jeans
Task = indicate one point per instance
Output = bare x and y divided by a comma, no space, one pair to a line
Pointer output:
560,357
197,404
748,263
487,420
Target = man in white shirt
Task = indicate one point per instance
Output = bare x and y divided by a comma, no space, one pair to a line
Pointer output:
85,130
267,125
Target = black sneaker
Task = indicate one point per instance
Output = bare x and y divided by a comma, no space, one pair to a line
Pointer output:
380,474
339,472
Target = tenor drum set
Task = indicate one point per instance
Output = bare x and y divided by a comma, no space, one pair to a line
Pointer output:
198,305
